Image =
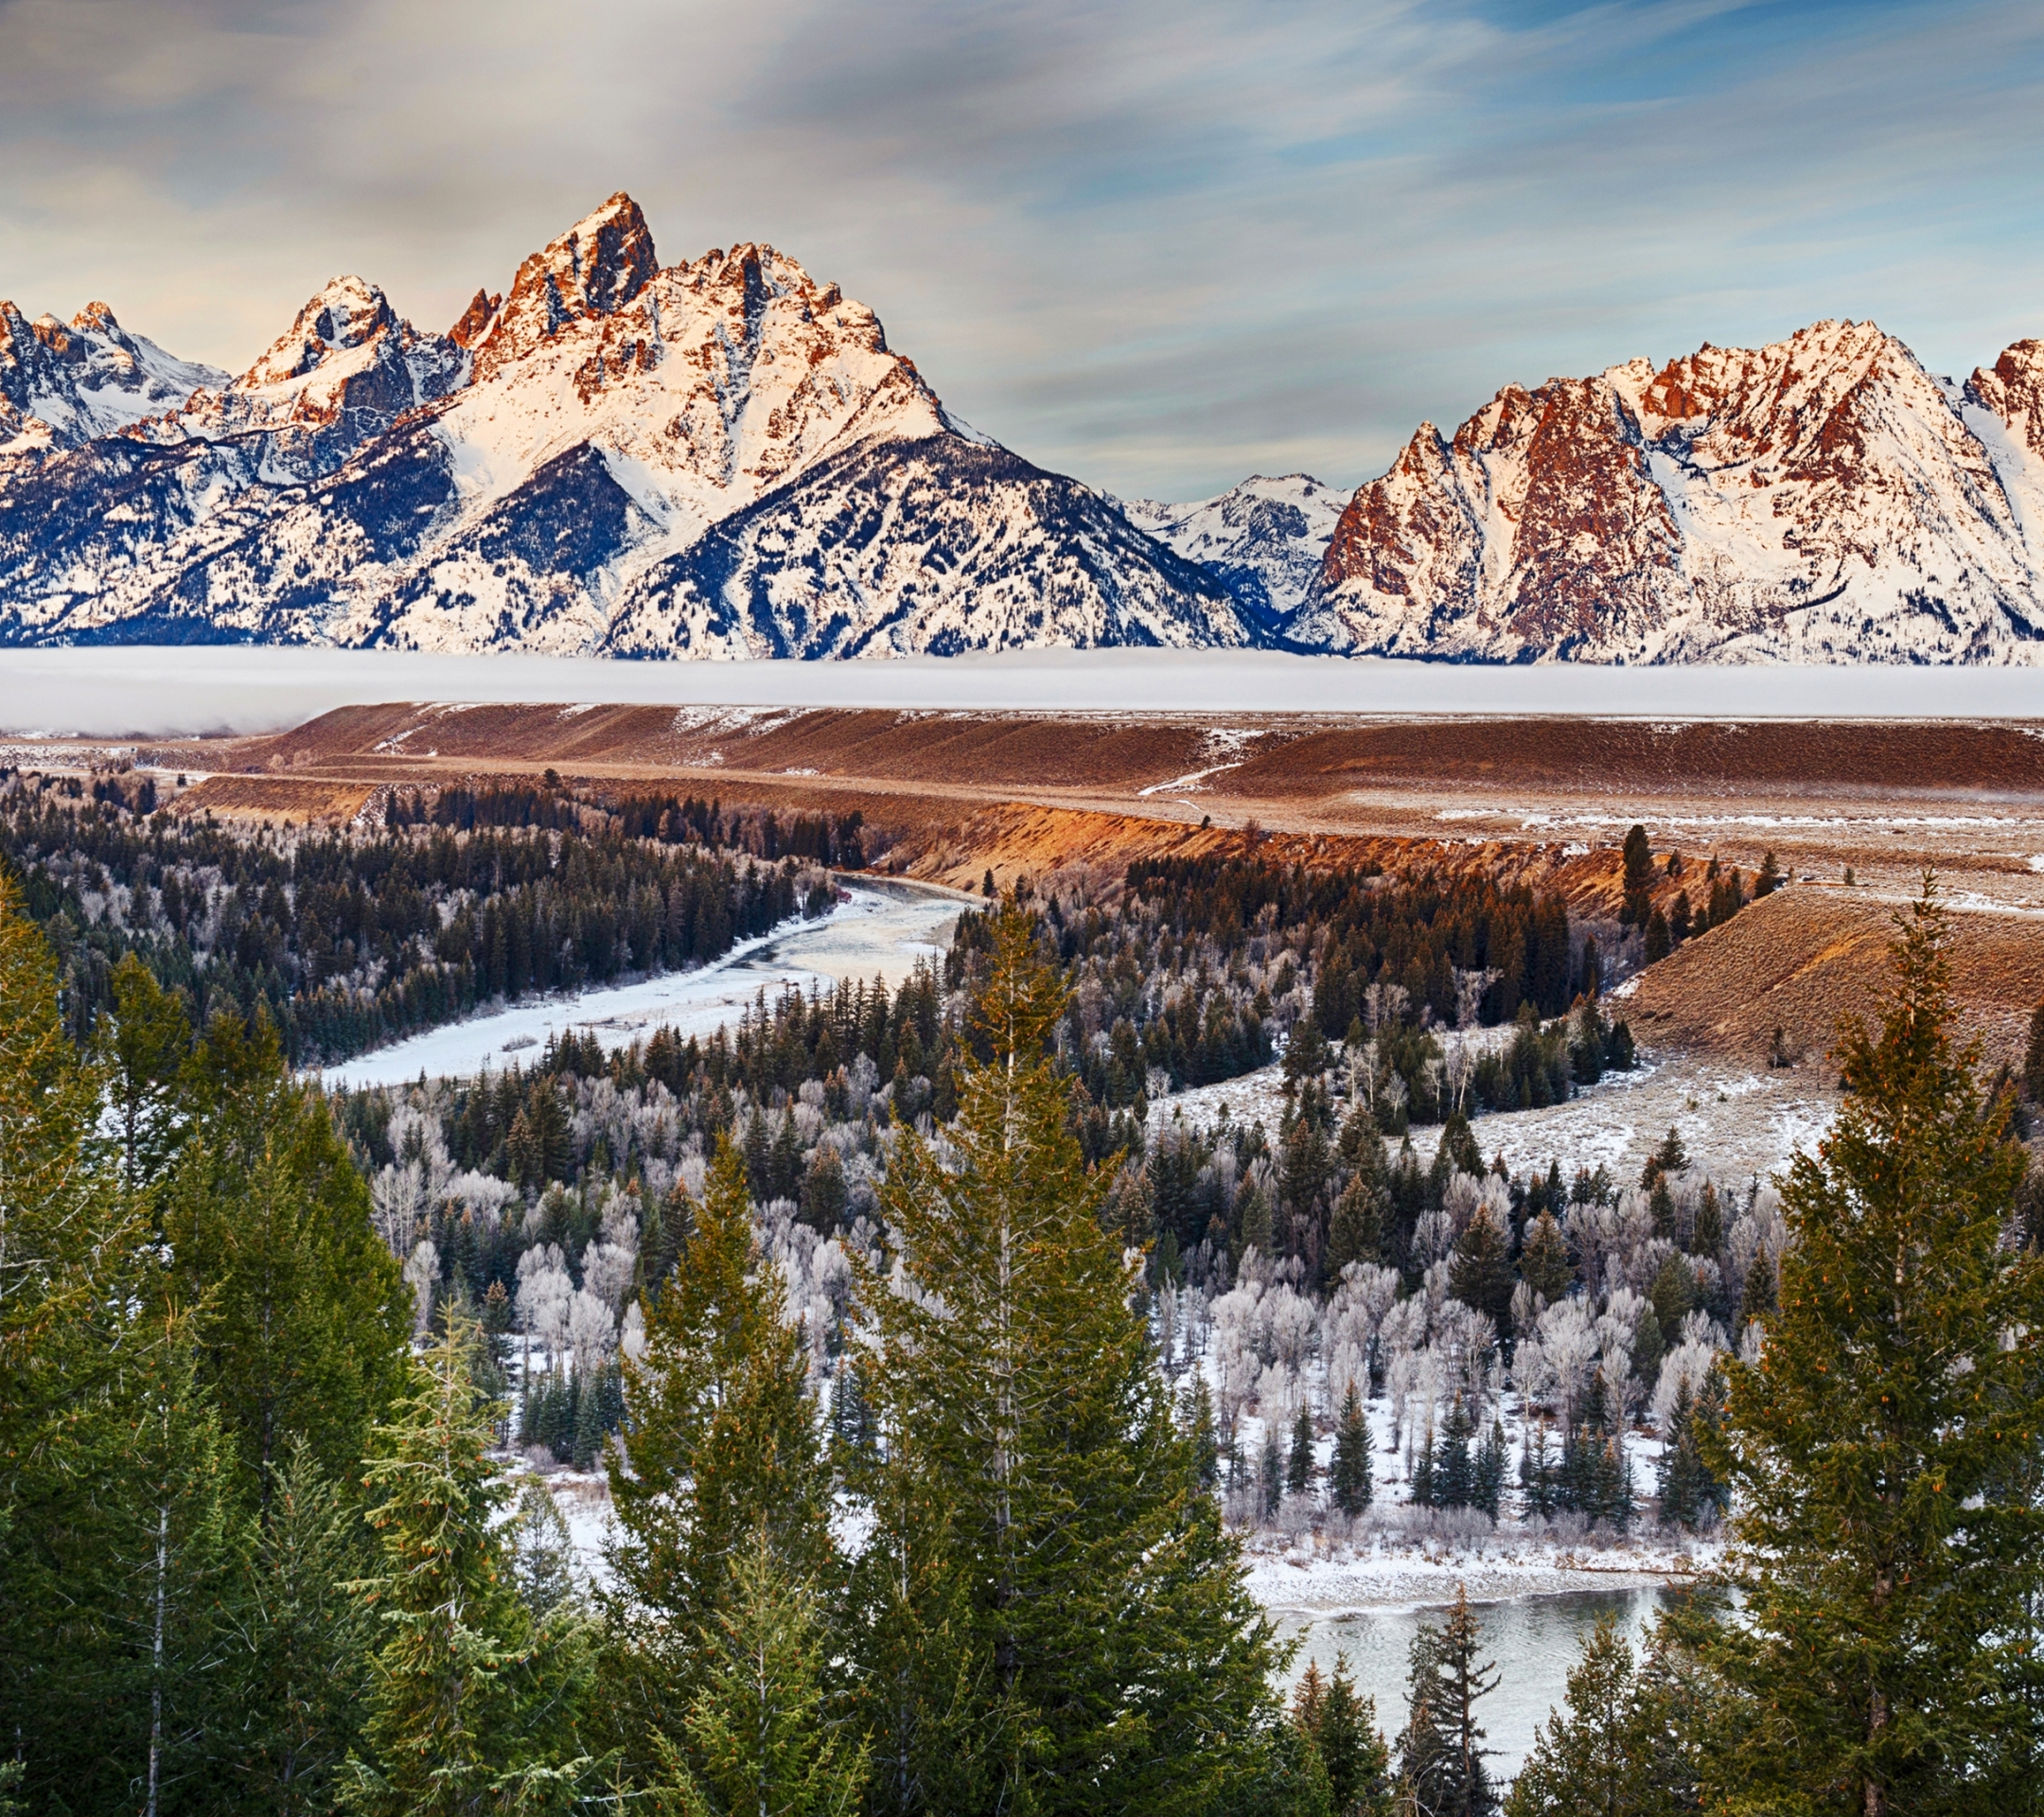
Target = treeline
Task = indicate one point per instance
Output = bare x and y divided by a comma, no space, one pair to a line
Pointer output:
842,842
351,940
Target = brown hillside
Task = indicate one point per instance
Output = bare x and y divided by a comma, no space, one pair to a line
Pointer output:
1805,960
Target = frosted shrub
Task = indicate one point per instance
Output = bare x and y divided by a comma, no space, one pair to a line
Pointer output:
1689,1362
1293,1326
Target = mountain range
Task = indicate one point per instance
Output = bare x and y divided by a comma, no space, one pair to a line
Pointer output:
725,458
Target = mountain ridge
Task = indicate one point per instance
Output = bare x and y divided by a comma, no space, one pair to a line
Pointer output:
725,457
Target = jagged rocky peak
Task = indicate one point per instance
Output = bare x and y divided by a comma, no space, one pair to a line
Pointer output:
2013,389
62,384
475,319
348,313
1263,537
594,269
345,369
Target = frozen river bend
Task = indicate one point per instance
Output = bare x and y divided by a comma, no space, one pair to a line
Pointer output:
884,928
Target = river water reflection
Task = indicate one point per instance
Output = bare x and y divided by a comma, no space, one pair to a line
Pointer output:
1533,1640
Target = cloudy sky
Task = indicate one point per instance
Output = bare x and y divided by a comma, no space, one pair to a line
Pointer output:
1160,243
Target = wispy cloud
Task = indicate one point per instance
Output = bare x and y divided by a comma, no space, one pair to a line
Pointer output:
1156,244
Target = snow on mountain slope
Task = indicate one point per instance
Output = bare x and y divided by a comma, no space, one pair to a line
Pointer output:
62,385
929,547
345,370
513,483
2003,405
1263,540
1820,500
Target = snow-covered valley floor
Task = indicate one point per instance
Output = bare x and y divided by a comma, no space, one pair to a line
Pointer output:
883,929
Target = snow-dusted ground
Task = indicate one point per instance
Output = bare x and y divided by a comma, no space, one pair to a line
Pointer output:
884,928
1735,1124
113,692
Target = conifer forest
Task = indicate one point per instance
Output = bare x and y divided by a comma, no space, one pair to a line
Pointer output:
938,1383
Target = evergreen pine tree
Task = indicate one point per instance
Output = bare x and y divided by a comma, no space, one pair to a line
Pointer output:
305,1318
1759,1301
588,1432
1300,1469
1883,1454
1480,1274
1350,1476
115,1528
1271,1472
1201,1432
1355,1232
1537,1490
1454,1467
1423,1474
474,1706
1543,1259
1440,1764
1488,1489
1352,1752
305,1645
1607,1754
540,1552
144,1049
721,1441
757,1739
1026,1432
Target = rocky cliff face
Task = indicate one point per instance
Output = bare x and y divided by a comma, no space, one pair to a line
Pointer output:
546,476
1820,500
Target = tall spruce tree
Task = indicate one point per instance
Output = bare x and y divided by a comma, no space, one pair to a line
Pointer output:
1112,1656
114,1534
474,1706
758,1738
1883,1453
305,1645
1607,1754
1441,1754
1350,1477
721,1441
304,1314
1301,1467
1353,1754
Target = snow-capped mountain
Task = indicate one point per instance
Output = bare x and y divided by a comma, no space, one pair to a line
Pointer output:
725,457
62,384
545,476
1264,539
1820,500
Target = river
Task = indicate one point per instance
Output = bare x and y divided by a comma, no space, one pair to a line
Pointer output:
884,928
1533,1640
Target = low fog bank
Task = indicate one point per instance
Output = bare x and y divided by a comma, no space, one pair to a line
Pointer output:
151,693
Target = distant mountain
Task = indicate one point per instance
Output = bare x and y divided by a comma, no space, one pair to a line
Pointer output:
60,385
547,476
1823,499
724,457
1265,539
